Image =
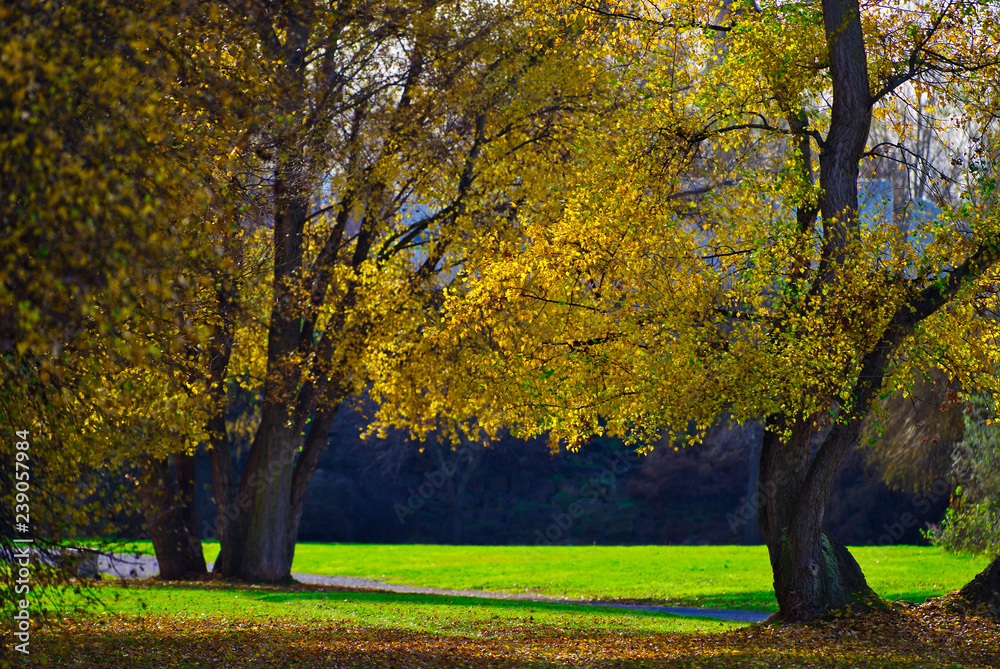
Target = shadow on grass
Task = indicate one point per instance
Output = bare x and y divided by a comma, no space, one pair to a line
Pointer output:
330,604
758,600
761,600
518,606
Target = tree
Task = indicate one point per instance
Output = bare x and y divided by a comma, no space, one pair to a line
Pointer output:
712,257
400,131
227,306
114,139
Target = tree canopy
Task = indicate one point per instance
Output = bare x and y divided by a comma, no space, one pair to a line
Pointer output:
563,218
689,271
710,254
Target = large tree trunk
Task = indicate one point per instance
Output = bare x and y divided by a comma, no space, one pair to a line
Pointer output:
813,573
984,589
168,497
273,492
266,486
296,415
258,527
263,503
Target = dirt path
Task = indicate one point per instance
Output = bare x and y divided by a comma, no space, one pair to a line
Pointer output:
144,566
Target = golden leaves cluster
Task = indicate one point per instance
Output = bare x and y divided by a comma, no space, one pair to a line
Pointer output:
119,126
669,280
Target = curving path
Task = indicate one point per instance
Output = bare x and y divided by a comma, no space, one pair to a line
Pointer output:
145,566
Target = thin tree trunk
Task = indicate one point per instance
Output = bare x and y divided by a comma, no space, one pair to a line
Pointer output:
228,516
850,120
315,442
228,519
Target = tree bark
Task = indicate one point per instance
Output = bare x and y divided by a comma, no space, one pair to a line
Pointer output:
984,589
258,524
228,525
273,492
228,517
295,421
310,371
229,520
850,120
265,496
264,500
168,497
194,556
813,572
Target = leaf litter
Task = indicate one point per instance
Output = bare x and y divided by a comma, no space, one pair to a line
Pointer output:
935,634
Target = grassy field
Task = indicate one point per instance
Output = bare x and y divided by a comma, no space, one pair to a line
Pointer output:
715,576
158,626
149,625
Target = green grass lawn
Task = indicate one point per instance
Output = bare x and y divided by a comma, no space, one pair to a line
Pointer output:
715,576
152,625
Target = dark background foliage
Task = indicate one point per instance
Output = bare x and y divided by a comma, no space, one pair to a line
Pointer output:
511,491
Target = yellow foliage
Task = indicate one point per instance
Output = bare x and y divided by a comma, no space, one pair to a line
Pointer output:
674,274
118,129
